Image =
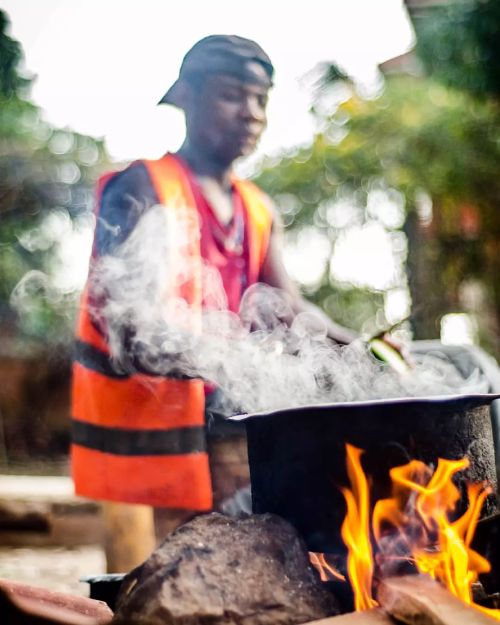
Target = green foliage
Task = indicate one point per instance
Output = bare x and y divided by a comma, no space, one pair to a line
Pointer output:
459,44
46,185
419,139
360,309
331,74
11,81
417,135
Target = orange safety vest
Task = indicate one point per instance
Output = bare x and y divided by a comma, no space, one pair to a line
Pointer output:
140,438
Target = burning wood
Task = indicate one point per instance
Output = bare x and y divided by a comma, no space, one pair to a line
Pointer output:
413,526
418,600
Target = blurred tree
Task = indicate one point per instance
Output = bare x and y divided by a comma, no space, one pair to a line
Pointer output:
431,152
11,81
46,180
46,187
459,44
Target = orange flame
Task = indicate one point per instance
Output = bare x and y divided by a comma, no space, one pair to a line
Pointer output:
414,525
355,532
326,570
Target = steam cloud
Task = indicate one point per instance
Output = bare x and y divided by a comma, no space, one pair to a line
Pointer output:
257,360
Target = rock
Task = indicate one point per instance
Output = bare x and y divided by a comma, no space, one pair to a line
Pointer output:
221,570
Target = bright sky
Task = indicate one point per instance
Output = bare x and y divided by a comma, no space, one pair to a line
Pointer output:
102,65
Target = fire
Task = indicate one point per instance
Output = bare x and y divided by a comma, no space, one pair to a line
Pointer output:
355,532
325,569
413,526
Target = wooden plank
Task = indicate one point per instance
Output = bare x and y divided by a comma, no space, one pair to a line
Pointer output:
368,617
419,600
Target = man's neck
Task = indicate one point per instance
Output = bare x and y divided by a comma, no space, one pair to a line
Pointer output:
205,167
214,179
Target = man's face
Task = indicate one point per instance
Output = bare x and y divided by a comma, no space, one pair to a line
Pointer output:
226,116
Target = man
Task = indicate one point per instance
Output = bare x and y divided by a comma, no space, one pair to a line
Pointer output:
140,438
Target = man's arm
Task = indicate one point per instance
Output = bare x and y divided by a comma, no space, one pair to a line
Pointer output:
274,274
125,198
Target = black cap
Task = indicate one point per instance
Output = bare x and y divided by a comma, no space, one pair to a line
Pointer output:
222,54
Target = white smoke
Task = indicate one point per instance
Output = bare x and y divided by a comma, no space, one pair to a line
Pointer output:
262,359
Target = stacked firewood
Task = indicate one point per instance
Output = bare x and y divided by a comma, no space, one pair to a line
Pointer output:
414,600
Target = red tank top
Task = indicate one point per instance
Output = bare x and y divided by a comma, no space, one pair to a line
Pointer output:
224,247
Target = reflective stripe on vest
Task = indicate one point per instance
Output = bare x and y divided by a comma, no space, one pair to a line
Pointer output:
140,438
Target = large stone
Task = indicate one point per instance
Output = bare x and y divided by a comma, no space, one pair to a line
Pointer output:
220,570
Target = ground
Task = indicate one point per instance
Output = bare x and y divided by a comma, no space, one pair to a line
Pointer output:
55,568
58,558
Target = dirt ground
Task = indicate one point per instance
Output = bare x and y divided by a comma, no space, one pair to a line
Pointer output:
59,556
56,568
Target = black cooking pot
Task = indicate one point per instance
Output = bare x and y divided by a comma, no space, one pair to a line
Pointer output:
297,456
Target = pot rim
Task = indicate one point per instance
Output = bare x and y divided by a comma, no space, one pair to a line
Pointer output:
473,398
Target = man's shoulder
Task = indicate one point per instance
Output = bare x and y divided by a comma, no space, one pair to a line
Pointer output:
124,198
132,181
